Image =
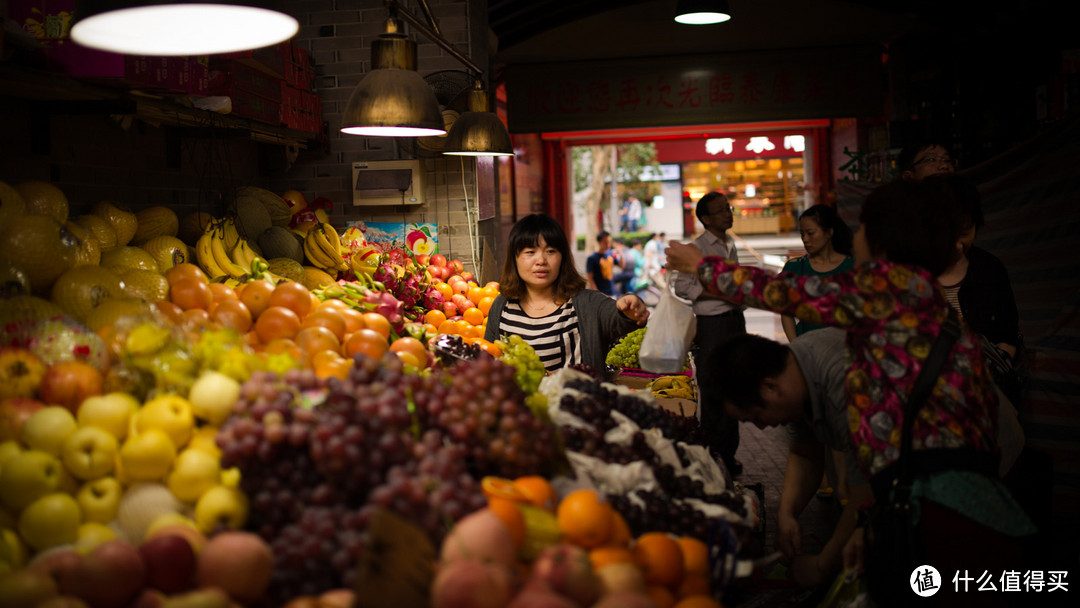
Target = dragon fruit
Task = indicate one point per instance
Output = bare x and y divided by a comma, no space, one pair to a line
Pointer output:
386,305
433,299
408,291
386,275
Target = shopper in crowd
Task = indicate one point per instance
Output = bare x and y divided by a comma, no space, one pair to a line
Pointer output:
828,241
892,311
800,385
653,253
717,319
634,214
600,265
923,159
543,299
632,268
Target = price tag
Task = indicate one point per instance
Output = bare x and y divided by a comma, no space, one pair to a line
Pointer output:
397,567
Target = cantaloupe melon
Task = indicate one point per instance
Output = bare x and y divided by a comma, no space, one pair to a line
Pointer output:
153,222
167,251
41,247
288,268
278,242
89,247
192,226
43,198
83,288
316,277
11,203
129,257
144,284
109,311
276,207
252,218
102,230
26,308
122,219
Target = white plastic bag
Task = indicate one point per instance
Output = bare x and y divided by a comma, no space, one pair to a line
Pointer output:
668,335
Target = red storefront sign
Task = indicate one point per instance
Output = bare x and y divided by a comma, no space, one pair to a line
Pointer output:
740,146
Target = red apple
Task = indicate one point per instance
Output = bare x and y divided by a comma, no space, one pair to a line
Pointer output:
468,276
567,570
456,266
449,309
240,563
55,562
438,260
461,302
170,563
26,588
423,259
68,383
13,413
110,576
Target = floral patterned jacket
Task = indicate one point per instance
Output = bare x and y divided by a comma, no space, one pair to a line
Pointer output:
892,314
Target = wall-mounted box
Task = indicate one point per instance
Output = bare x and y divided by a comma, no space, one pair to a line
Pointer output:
388,182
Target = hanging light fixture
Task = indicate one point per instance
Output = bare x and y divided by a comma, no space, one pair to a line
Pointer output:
702,12
393,100
478,132
179,27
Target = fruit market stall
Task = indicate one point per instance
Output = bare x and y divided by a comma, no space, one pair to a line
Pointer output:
259,410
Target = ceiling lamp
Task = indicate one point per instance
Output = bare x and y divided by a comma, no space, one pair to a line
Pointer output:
702,12
393,100
178,27
478,132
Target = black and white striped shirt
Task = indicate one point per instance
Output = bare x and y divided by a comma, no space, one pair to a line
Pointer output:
555,337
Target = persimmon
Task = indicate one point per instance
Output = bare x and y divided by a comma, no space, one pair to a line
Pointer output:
185,271
277,322
294,296
191,293
414,347
256,296
330,318
378,323
232,314
366,341
316,338
354,319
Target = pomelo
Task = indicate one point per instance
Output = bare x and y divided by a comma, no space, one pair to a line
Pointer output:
11,203
83,288
167,251
89,247
153,222
122,220
102,230
41,246
144,284
43,198
129,257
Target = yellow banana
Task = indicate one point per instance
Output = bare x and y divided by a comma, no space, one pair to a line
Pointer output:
229,234
662,382
217,247
242,255
205,256
315,254
330,245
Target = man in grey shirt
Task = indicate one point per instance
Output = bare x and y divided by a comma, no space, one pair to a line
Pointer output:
800,385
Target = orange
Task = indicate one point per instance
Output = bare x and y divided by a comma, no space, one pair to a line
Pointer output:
695,555
620,532
445,290
315,338
256,296
484,305
195,317
492,284
536,489
449,327
435,317
282,345
222,292
474,294
603,556
509,513
335,303
169,310
693,584
698,601
276,322
416,348
660,596
330,318
501,487
475,331
660,558
292,295
366,341
473,316
191,293
463,327
233,315
378,323
585,519
185,271
328,363
490,348
354,319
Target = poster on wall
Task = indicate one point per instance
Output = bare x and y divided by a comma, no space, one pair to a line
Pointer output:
414,238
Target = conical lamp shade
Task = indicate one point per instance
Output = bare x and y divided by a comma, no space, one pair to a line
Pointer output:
478,132
178,27
393,100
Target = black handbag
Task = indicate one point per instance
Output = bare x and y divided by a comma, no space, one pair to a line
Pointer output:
891,546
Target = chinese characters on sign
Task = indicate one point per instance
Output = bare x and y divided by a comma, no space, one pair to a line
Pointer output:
1012,581
819,83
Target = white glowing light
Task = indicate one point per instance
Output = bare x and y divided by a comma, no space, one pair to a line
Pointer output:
758,145
717,145
795,143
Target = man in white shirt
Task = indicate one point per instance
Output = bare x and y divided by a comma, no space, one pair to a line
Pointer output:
716,319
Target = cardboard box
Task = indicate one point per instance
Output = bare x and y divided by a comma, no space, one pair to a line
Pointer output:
257,108
271,59
234,77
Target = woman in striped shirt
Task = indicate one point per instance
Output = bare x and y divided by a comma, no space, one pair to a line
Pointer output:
543,299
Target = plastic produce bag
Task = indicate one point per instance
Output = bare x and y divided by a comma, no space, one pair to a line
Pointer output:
668,335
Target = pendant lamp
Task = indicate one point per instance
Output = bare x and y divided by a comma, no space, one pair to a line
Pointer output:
179,27
393,100
702,12
478,132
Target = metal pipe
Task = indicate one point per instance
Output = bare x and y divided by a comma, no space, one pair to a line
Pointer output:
430,17
421,27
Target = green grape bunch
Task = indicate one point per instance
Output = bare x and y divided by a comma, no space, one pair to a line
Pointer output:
529,371
625,353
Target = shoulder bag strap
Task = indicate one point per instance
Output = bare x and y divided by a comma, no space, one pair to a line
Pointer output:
924,384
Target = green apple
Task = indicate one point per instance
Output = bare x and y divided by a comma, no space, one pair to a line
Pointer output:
194,472
28,476
89,453
213,396
147,456
221,504
168,413
205,439
111,412
91,534
27,587
99,499
9,449
50,521
47,428
12,551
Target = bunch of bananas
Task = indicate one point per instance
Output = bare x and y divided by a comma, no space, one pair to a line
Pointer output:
322,246
671,387
222,252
